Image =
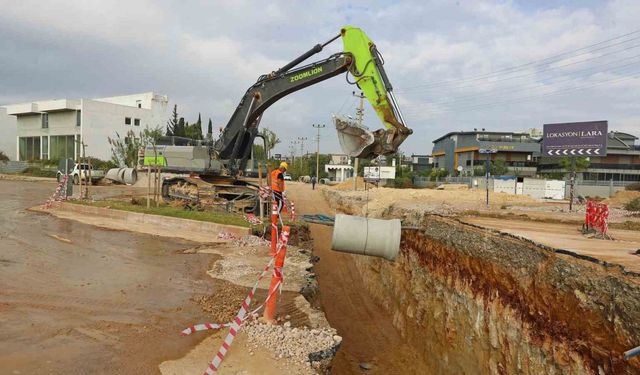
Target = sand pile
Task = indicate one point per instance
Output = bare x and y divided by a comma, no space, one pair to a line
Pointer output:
622,197
348,184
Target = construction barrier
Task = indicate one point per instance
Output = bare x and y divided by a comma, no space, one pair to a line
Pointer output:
596,217
243,314
60,193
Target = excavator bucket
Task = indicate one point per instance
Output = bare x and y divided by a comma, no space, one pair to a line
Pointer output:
370,77
354,139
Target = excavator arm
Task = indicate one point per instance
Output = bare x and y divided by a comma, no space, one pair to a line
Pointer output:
360,59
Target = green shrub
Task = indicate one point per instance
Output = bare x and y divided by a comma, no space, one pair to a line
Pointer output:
39,172
633,205
3,157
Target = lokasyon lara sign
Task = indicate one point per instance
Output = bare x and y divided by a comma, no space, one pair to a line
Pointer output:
575,139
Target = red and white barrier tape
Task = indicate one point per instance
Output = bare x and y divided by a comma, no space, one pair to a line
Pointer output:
252,219
292,208
241,316
226,236
60,193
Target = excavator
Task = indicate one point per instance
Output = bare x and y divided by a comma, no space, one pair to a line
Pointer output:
216,166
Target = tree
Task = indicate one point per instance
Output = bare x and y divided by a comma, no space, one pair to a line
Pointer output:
150,137
3,157
194,131
270,139
498,168
179,129
582,164
124,151
173,121
210,130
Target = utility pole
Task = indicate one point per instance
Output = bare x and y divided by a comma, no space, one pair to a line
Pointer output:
292,150
359,116
318,126
573,182
301,140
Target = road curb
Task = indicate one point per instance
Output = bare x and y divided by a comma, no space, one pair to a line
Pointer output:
162,223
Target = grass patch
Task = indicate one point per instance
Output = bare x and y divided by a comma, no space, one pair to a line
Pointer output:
163,210
38,172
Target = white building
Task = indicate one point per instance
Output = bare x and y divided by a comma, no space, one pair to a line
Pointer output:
53,129
339,168
7,134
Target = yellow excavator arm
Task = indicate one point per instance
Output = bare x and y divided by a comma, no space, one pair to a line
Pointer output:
370,76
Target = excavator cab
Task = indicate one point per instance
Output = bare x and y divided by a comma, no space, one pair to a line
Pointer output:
370,77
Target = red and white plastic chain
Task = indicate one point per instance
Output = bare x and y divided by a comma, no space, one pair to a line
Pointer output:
242,316
60,193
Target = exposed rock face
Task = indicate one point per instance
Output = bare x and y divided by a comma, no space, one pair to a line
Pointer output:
474,301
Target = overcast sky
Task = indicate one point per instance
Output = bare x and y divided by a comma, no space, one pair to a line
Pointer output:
454,65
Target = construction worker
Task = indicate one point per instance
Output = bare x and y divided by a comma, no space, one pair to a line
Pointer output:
313,182
277,184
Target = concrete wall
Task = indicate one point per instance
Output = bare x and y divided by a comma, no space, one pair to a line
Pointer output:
534,188
8,132
101,120
593,191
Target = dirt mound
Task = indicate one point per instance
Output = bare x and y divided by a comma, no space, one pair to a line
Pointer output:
348,184
622,197
453,187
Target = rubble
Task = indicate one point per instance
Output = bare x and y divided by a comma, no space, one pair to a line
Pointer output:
300,345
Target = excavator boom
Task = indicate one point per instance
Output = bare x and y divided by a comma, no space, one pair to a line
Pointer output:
370,76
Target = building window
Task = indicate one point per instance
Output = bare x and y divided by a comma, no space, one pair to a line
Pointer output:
127,120
45,121
62,146
78,118
45,147
136,121
139,103
29,148
468,163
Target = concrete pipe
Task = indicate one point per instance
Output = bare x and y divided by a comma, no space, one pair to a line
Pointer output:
114,174
127,176
365,236
130,176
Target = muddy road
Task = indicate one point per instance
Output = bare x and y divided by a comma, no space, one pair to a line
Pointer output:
366,327
77,299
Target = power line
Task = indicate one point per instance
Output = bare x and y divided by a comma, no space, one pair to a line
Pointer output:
546,60
533,85
551,68
524,99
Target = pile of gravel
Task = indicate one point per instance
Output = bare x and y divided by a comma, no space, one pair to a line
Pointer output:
311,347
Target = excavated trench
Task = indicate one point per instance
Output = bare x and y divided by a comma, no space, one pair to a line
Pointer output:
470,300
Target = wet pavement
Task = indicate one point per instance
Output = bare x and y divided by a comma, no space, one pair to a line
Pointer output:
77,299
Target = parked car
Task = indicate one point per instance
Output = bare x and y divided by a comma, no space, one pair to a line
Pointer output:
287,177
81,171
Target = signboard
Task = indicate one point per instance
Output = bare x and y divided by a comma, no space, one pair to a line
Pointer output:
487,151
379,173
277,156
575,139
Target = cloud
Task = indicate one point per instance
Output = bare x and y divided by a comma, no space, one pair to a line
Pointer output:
205,55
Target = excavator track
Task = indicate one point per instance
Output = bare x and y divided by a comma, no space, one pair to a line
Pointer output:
207,192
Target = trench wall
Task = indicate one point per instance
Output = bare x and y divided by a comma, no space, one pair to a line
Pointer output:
474,301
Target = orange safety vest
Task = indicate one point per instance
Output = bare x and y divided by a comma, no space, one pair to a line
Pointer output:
276,184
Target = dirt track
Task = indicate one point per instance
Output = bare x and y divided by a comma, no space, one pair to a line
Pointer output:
368,333
566,236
